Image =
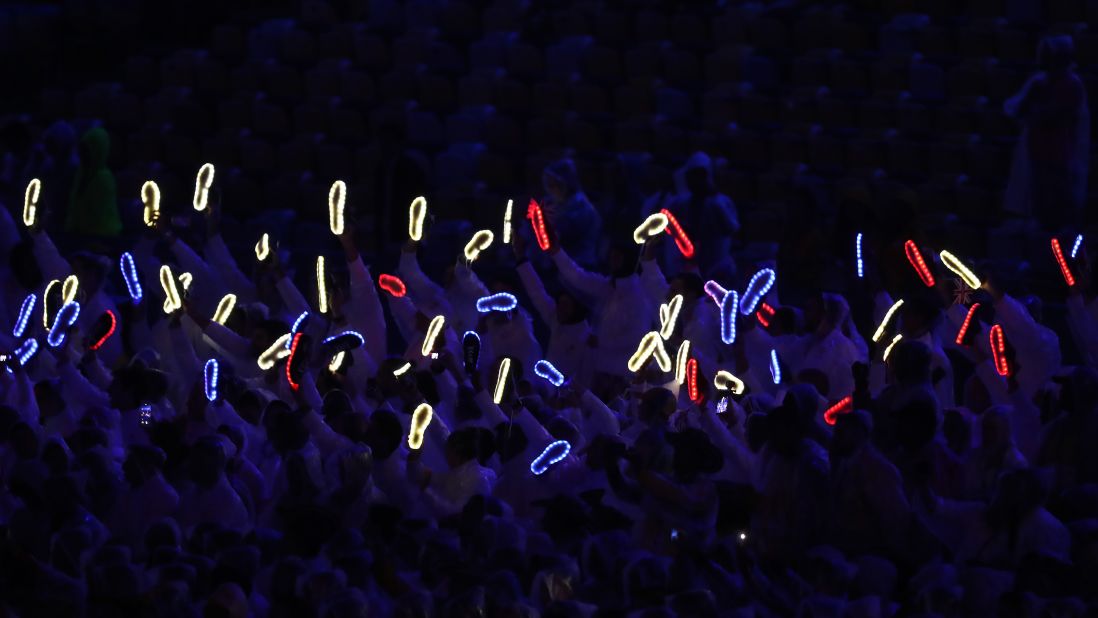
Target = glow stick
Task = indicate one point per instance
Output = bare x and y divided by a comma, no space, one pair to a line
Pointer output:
321,285
224,308
998,350
843,406
887,318
888,348
728,317
682,241
915,258
501,301
545,369
25,311
651,345
150,197
202,183
653,225
433,330
537,222
1069,279
715,291
273,354
692,380
421,418
669,316
417,212
290,362
470,347
507,222
764,314
337,361
66,317
337,199
210,374
963,332
757,288
1075,247
392,285
69,288
185,280
681,356
46,302
26,351
552,454
172,300
501,380
403,369
112,326
129,275
479,242
725,381
951,262
775,368
30,202
263,247
858,255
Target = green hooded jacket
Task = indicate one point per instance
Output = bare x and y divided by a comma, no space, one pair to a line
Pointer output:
93,206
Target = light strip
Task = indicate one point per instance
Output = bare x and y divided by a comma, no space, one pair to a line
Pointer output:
393,285
479,242
224,308
728,307
337,361
888,348
669,316
46,302
202,183
172,300
682,241
951,262
26,351
915,258
129,275
681,356
211,374
1058,253
858,255
775,367
403,369
417,212
321,285
507,222
501,301
998,350
844,406
537,222
1075,247
725,381
290,362
963,332
433,330
273,354
692,380
654,225
337,200
263,247
25,311
757,288
545,369
110,331
65,318
715,291
651,345
150,197
552,454
887,318
421,418
30,202
501,380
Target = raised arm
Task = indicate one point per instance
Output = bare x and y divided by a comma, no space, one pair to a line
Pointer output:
364,307
535,289
589,284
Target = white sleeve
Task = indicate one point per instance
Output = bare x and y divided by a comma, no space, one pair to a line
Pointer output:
418,283
222,260
49,258
655,284
492,412
589,284
600,416
366,315
535,289
226,342
78,390
292,297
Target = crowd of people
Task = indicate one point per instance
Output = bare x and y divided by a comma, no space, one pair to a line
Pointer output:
613,437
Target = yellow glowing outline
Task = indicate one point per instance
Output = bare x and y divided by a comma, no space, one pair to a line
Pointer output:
46,302
432,333
650,345
321,285
186,279
888,350
202,183
417,212
171,292
725,381
336,362
669,315
271,355
887,318
337,199
653,225
30,202
69,289
501,380
402,370
224,308
951,262
681,357
150,197
479,242
421,418
507,222
263,247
